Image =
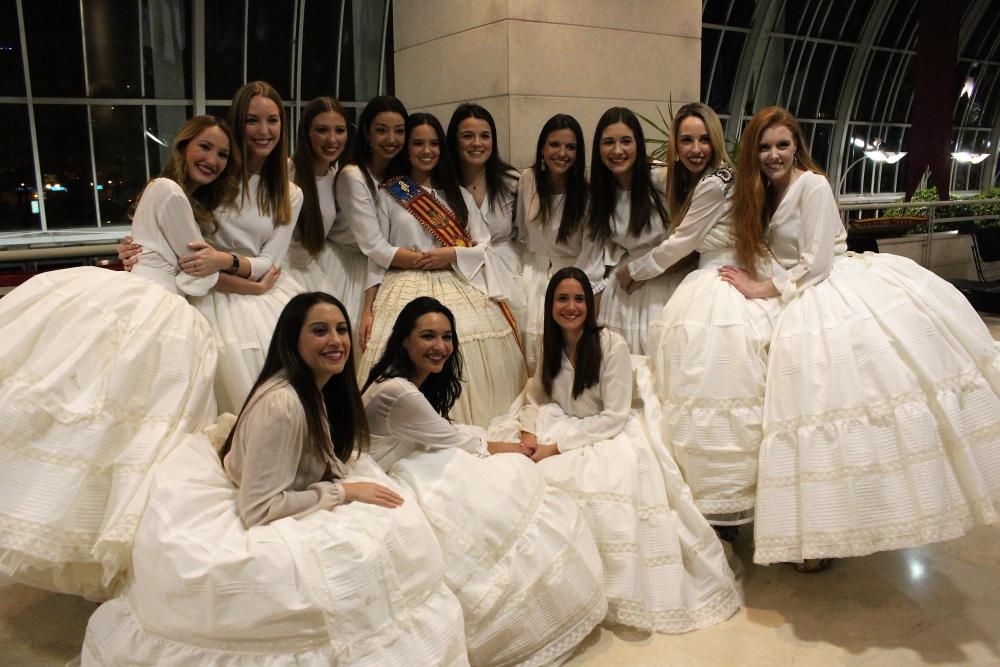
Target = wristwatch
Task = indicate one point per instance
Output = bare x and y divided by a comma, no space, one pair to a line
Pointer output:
236,264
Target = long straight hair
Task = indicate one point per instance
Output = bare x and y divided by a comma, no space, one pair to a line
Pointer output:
587,371
754,198
440,389
443,175
361,147
644,198
499,184
206,198
575,199
309,228
273,196
680,181
339,398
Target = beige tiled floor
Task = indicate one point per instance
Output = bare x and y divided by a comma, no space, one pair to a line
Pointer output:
936,605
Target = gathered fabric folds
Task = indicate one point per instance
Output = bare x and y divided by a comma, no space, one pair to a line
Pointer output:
358,585
102,374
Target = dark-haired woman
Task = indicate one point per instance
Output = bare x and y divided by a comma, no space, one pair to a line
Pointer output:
313,255
492,184
882,401
313,557
517,552
628,214
709,345
439,243
102,374
551,206
664,568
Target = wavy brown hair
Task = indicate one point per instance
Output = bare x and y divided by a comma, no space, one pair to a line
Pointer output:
206,198
309,228
680,181
754,199
273,196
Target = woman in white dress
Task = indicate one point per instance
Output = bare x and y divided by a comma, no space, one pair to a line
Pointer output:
664,568
518,554
381,135
709,345
551,205
882,402
311,260
438,247
313,557
492,184
628,215
102,373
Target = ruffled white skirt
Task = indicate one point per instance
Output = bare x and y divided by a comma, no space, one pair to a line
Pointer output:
492,364
358,585
535,275
338,270
881,416
664,568
518,554
709,355
243,325
102,374
632,314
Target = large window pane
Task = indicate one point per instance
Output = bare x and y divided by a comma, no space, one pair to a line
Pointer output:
270,44
120,159
111,28
11,67
319,48
163,123
223,47
18,199
64,152
166,54
55,48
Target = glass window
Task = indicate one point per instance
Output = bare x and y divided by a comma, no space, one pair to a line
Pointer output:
64,157
112,44
224,20
319,43
162,125
55,48
18,199
119,158
11,66
269,45
166,57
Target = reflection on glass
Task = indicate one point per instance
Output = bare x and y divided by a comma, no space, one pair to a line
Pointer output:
18,199
166,48
112,43
223,47
119,158
269,45
64,157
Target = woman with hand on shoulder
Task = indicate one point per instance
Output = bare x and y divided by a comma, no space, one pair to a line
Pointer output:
380,137
664,568
628,214
517,552
102,373
313,557
709,345
439,244
492,184
312,259
882,401
551,206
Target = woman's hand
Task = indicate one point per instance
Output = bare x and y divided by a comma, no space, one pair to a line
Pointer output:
371,493
128,252
747,286
365,329
269,279
544,452
435,260
624,277
204,260
504,448
529,443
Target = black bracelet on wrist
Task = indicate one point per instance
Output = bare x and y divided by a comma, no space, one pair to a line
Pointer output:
235,268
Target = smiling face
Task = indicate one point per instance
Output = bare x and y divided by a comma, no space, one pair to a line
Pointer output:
475,142
324,341
386,135
429,345
559,153
424,150
261,130
618,151
327,138
205,157
569,306
776,155
694,145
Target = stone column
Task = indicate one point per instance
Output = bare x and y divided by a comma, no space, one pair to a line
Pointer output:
526,60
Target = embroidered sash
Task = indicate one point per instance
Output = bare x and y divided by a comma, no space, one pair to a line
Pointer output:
441,223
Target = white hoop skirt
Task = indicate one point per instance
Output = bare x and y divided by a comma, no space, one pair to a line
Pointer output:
492,365
518,554
359,585
881,416
337,270
631,315
243,325
709,355
102,373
